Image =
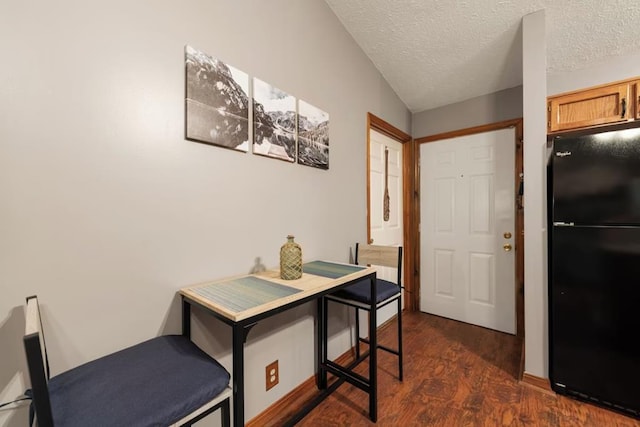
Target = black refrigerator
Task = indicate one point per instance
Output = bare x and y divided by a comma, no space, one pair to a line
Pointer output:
594,268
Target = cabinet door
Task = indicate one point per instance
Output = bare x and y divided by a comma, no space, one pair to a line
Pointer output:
635,96
602,105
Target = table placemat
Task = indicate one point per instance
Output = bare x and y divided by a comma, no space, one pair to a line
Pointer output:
243,293
329,269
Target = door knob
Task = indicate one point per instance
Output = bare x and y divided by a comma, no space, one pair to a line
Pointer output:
506,247
507,235
370,241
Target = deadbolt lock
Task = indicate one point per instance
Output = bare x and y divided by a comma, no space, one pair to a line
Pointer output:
507,235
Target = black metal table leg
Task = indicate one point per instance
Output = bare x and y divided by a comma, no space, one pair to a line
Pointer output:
321,338
186,318
373,354
238,375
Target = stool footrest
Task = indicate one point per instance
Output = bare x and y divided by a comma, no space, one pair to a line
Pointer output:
351,377
381,347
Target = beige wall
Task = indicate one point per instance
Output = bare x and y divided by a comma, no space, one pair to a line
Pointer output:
535,201
107,210
494,107
613,69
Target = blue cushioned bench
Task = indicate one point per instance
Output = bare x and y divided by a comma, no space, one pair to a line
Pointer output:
164,381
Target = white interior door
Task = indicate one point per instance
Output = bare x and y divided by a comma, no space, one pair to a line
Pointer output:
389,231
467,216
385,232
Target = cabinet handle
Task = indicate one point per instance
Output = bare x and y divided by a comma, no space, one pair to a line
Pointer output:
624,108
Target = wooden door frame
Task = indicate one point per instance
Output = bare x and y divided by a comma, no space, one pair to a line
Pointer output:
408,180
414,232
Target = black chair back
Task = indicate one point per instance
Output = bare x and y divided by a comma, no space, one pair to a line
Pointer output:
38,363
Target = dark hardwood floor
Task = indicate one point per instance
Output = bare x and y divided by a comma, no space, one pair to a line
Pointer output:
455,375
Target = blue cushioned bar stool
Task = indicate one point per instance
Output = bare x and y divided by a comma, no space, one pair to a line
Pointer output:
359,296
165,381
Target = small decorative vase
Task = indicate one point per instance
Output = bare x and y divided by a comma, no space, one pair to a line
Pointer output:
290,260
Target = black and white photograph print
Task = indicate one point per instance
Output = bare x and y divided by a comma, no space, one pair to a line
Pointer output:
274,120
217,102
313,136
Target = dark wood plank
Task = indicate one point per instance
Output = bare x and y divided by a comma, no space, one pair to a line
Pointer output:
455,375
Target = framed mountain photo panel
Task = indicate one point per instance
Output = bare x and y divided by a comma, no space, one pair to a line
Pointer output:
274,121
217,102
313,136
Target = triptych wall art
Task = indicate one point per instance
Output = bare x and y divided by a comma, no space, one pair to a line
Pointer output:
218,112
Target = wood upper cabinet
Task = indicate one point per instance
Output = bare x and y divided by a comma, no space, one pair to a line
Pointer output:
595,106
636,98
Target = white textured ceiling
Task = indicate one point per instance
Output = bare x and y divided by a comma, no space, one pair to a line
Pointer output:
437,52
